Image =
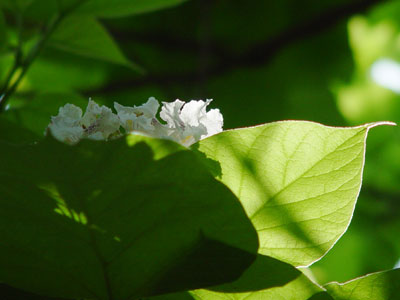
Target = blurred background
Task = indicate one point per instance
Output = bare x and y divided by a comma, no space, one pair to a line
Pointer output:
336,62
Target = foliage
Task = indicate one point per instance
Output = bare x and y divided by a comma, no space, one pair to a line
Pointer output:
249,213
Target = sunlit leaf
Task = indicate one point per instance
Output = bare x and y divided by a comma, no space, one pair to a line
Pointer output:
298,182
376,286
119,219
366,235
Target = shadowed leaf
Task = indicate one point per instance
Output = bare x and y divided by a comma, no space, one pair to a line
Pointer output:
117,219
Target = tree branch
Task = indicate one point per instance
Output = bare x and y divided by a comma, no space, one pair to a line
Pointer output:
258,55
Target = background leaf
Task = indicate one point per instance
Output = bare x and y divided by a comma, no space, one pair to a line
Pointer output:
121,8
86,36
126,218
298,182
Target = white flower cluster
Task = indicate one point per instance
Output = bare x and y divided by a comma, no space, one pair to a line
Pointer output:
185,123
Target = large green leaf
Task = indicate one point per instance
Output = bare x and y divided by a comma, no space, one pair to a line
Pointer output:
376,286
298,182
86,36
116,220
121,8
17,294
15,134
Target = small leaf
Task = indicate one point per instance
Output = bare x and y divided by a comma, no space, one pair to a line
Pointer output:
375,286
299,289
266,279
82,35
121,8
298,182
120,219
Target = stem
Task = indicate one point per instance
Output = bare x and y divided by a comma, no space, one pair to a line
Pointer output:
24,65
7,91
17,57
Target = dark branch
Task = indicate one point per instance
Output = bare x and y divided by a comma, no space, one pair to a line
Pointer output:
256,56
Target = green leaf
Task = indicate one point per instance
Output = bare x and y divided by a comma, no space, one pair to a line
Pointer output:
116,220
366,241
16,294
174,296
86,36
266,279
299,289
15,134
36,115
321,296
298,182
63,73
121,8
376,286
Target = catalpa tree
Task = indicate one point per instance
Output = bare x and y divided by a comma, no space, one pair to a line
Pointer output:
157,199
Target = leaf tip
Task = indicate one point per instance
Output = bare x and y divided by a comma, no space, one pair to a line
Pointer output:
375,124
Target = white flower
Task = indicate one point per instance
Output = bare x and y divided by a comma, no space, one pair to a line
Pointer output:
186,123
138,118
66,125
99,122
190,122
